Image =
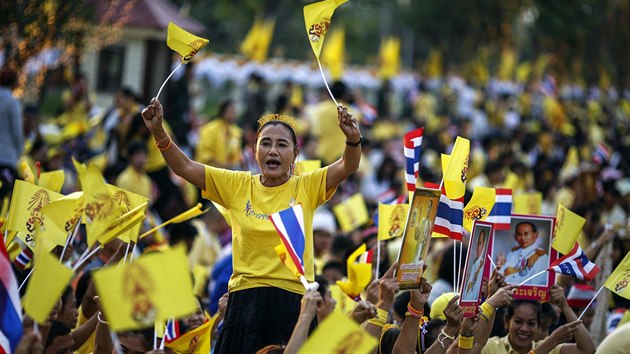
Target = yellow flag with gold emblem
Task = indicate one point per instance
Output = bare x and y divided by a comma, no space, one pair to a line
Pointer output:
196,341
63,214
128,201
351,213
155,287
457,169
52,180
130,220
528,203
479,206
307,166
25,211
48,281
619,281
339,334
567,229
317,17
183,42
391,220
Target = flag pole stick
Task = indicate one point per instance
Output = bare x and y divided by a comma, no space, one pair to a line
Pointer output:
124,260
455,266
164,338
533,276
589,304
321,70
459,274
6,233
25,279
155,229
70,239
308,286
35,327
165,81
115,341
76,266
378,258
154,338
492,262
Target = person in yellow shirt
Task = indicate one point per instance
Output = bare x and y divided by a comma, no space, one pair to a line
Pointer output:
134,178
220,139
264,301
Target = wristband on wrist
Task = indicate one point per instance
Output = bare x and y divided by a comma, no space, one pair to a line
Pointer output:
98,317
170,142
380,319
487,310
442,337
355,144
466,342
413,312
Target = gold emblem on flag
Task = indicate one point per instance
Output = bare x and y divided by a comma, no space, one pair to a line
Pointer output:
195,45
398,215
138,287
623,283
99,208
476,213
121,198
319,30
465,170
559,220
39,199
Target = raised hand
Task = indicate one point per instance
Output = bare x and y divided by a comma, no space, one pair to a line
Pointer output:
453,312
388,287
153,115
500,262
497,281
348,124
502,297
310,301
361,313
565,332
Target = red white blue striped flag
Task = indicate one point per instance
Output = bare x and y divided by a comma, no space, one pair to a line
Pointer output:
501,213
10,307
289,224
575,264
450,215
172,330
412,144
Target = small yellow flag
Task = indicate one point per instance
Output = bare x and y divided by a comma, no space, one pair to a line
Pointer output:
52,180
567,229
528,203
63,215
48,281
619,280
196,341
479,206
27,172
339,334
359,274
307,166
183,42
391,220
333,55
128,221
188,214
352,213
389,57
155,287
128,201
263,40
317,17
250,42
457,169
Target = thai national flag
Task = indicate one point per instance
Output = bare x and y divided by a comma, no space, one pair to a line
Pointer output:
450,215
576,265
290,226
366,257
23,258
412,144
601,154
501,213
392,201
10,307
172,330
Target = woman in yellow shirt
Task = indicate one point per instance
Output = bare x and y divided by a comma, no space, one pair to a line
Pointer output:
264,301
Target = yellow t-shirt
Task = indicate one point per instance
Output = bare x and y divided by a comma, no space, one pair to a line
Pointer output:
135,182
254,237
88,346
219,141
496,345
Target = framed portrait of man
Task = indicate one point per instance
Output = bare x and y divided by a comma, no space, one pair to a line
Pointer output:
524,250
417,237
474,268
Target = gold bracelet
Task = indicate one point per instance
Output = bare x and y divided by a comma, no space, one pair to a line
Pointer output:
466,342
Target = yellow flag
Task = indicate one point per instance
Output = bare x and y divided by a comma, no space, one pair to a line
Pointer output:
52,180
507,64
527,203
63,215
263,41
479,206
45,286
352,213
457,169
339,334
391,220
359,274
307,166
434,64
200,277
249,44
619,280
333,55
27,172
188,214
128,221
183,42
523,71
567,229
154,287
317,18
196,341
389,57
100,209
25,212
128,201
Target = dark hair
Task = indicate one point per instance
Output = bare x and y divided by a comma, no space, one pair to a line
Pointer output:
323,285
146,334
517,303
446,265
65,296
184,231
334,265
135,147
534,229
82,286
57,329
271,349
223,106
432,331
547,313
339,89
8,77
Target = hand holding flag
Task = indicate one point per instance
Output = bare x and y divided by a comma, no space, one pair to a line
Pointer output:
359,274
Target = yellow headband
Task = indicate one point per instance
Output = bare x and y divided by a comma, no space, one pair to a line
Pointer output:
268,118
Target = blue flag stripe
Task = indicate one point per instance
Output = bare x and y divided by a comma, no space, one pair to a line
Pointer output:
296,236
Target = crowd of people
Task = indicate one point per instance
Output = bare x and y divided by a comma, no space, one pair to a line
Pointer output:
562,140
